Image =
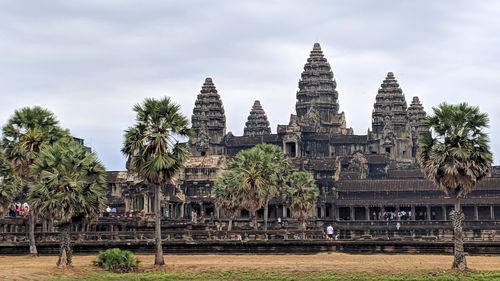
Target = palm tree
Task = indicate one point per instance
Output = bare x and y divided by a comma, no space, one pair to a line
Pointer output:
228,195
278,168
302,194
250,164
10,185
25,134
263,170
455,155
72,187
154,150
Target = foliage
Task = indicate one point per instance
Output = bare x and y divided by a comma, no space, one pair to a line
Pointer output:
152,145
227,192
117,260
26,133
455,153
302,194
10,184
72,182
262,171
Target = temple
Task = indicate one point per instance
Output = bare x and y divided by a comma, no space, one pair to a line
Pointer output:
360,177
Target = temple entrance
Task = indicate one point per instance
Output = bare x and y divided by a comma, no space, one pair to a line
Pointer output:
344,213
360,213
375,213
437,213
291,149
420,213
484,212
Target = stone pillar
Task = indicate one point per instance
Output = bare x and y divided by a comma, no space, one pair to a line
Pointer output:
351,215
443,210
428,210
367,212
322,211
412,212
284,211
145,205
476,213
492,211
182,210
217,213
335,211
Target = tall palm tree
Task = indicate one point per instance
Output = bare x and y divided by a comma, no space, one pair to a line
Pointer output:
228,195
154,151
24,135
72,187
301,193
277,168
455,155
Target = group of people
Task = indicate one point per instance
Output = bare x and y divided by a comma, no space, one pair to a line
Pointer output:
391,216
19,210
110,211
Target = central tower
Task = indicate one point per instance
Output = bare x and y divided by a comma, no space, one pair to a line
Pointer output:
317,104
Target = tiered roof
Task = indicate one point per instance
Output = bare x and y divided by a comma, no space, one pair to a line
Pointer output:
317,98
416,114
257,124
390,107
208,119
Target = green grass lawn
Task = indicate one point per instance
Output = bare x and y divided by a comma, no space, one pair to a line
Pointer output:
250,276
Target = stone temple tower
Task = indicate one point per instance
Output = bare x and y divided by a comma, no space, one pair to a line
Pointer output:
257,124
391,132
416,114
208,122
317,104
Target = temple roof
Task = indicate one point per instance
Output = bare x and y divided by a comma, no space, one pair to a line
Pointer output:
390,105
257,124
208,113
416,114
317,98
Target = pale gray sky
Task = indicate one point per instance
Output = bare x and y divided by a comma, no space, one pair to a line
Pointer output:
90,61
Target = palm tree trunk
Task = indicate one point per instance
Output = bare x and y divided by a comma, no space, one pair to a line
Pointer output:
457,217
159,261
266,213
31,221
65,253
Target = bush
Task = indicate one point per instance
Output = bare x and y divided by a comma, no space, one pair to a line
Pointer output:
117,260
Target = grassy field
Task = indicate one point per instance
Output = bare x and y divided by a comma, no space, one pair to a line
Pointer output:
334,266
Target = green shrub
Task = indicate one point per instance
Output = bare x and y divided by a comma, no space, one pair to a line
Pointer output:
117,260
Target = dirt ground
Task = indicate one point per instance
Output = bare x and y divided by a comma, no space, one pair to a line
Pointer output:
42,268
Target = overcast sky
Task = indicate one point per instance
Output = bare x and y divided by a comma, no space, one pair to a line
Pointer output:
89,62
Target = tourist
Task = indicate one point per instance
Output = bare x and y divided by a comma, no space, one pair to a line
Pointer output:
279,221
398,225
12,210
329,232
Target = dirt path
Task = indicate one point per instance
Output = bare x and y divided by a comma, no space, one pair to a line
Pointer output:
42,268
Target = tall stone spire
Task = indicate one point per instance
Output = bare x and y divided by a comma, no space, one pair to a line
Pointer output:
391,131
416,114
257,124
317,99
390,105
208,121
